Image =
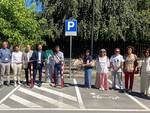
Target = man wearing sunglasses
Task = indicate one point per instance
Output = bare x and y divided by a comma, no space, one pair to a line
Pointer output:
116,64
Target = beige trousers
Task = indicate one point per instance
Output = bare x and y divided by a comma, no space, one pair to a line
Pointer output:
4,70
17,68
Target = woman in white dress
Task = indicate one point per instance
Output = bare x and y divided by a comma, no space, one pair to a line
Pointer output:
102,64
145,74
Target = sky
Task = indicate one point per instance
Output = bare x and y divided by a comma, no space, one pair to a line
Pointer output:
39,6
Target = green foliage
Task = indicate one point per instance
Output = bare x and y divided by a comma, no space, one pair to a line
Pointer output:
19,24
127,20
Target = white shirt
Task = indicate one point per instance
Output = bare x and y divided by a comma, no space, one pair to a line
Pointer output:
102,65
146,65
117,61
39,56
16,57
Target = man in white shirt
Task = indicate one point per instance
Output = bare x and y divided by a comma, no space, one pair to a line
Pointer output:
16,63
116,64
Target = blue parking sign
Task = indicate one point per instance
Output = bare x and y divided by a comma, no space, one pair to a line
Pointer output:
71,28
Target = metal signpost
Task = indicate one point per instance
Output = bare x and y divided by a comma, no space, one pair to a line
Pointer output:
70,30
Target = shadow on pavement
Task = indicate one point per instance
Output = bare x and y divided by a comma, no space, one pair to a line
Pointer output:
139,95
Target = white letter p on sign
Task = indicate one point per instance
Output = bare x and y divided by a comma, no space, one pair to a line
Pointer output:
70,25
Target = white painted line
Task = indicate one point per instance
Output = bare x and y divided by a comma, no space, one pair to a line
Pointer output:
24,101
9,94
3,106
45,98
93,93
133,98
58,109
69,97
81,104
138,102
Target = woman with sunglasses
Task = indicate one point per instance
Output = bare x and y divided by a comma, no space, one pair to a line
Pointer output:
102,64
145,74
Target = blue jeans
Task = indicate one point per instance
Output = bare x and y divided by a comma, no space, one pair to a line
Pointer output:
49,72
57,70
88,78
117,75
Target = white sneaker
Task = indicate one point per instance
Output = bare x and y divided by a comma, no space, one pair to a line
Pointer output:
102,89
15,84
19,83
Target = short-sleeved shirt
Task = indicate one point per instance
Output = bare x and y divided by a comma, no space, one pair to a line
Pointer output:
86,60
58,57
116,61
129,63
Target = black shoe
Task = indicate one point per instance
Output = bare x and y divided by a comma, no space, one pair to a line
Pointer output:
122,91
39,85
8,85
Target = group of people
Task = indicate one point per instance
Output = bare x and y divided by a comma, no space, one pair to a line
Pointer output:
119,66
32,62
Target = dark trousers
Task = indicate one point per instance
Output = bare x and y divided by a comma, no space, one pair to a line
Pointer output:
38,68
28,73
58,69
129,76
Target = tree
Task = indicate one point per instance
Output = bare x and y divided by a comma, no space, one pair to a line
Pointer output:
126,20
19,24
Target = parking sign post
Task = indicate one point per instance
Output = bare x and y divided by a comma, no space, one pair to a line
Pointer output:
70,30
70,74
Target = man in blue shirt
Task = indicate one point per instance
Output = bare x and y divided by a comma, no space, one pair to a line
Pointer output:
5,58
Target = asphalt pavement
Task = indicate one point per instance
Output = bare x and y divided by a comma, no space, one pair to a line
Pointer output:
72,98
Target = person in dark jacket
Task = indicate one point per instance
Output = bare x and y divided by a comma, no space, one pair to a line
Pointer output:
38,58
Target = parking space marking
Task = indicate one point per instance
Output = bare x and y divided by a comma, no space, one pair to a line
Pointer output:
3,106
137,101
69,97
45,98
24,101
60,109
81,104
133,98
9,94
